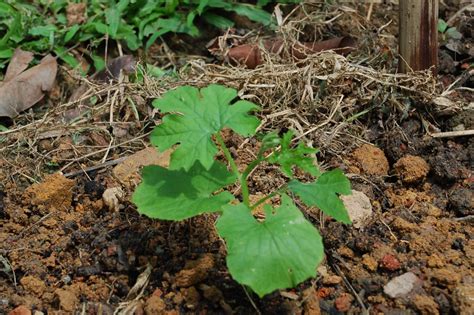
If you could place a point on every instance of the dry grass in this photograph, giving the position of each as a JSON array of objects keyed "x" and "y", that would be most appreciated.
[{"x": 326, "y": 98}]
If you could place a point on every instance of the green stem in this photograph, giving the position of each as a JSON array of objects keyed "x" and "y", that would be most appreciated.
[
  {"x": 227, "y": 154},
  {"x": 276, "y": 192},
  {"x": 241, "y": 177}
]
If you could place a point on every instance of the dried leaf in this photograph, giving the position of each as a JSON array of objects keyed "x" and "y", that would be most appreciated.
[
  {"x": 126, "y": 63},
  {"x": 27, "y": 88},
  {"x": 18, "y": 64},
  {"x": 250, "y": 54}
]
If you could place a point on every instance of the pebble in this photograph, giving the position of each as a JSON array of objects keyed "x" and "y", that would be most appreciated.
[
  {"x": 359, "y": 208},
  {"x": 389, "y": 262},
  {"x": 401, "y": 285}
]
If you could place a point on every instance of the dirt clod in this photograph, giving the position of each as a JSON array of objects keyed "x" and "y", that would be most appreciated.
[
  {"x": 311, "y": 302},
  {"x": 154, "y": 305},
  {"x": 55, "y": 192},
  {"x": 33, "y": 284},
  {"x": 425, "y": 305},
  {"x": 20, "y": 310},
  {"x": 192, "y": 297},
  {"x": 371, "y": 160},
  {"x": 343, "y": 302},
  {"x": 195, "y": 271},
  {"x": 446, "y": 277},
  {"x": 463, "y": 299},
  {"x": 411, "y": 169},
  {"x": 67, "y": 299}
]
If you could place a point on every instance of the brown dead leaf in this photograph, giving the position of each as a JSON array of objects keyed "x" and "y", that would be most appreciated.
[
  {"x": 20, "y": 61},
  {"x": 126, "y": 64},
  {"x": 250, "y": 54},
  {"x": 26, "y": 88}
]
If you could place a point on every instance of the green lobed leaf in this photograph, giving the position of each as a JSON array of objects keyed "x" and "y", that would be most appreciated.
[
  {"x": 196, "y": 116},
  {"x": 442, "y": 25},
  {"x": 179, "y": 194},
  {"x": 287, "y": 157},
  {"x": 278, "y": 253},
  {"x": 323, "y": 193}
]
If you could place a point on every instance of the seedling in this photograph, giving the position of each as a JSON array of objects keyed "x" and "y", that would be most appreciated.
[{"x": 279, "y": 252}]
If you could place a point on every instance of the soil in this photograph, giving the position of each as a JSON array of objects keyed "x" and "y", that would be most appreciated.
[{"x": 68, "y": 247}]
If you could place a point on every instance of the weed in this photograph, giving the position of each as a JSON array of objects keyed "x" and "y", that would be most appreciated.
[{"x": 279, "y": 252}]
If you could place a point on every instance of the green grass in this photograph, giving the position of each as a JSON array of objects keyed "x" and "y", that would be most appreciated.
[{"x": 42, "y": 26}]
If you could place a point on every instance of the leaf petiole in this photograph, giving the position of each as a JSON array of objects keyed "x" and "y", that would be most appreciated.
[{"x": 280, "y": 191}]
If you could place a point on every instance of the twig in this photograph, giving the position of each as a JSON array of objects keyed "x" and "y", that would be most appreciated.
[
  {"x": 458, "y": 13},
  {"x": 369, "y": 11},
  {"x": 450, "y": 134},
  {"x": 349, "y": 286},
  {"x": 466, "y": 218},
  {"x": 251, "y": 301},
  {"x": 103, "y": 150},
  {"x": 96, "y": 167}
]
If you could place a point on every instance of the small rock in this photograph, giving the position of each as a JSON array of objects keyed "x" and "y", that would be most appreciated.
[
  {"x": 463, "y": 299},
  {"x": 371, "y": 160},
  {"x": 112, "y": 198},
  {"x": 20, "y": 310},
  {"x": 154, "y": 305},
  {"x": 332, "y": 280},
  {"x": 425, "y": 305},
  {"x": 369, "y": 262},
  {"x": 411, "y": 169},
  {"x": 389, "y": 262},
  {"x": 325, "y": 292},
  {"x": 127, "y": 172},
  {"x": 67, "y": 299},
  {"x": 359, "y": 208},
  {"x": 192, "y": 297},
  {"x": 343, "y": 302},
  {"x": 195, "y": 271},
  {"x": 33, "y": 285},
  {"x": 401, "y": 286}
]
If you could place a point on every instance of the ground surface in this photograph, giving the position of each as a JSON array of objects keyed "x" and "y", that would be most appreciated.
[{"x": 75, "y": 243}]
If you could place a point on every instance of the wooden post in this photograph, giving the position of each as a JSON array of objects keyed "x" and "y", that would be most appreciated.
[{"x": 418, "y": 35}]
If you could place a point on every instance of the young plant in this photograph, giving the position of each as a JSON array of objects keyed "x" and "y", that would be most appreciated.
[{"x": 279, "y": 252}]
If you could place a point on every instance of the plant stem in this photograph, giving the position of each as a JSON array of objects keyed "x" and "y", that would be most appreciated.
[
  {"x": 227, "y": 154},
  {"x": 276, "y": 192},
  {"x": 242, "y": 177}
]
